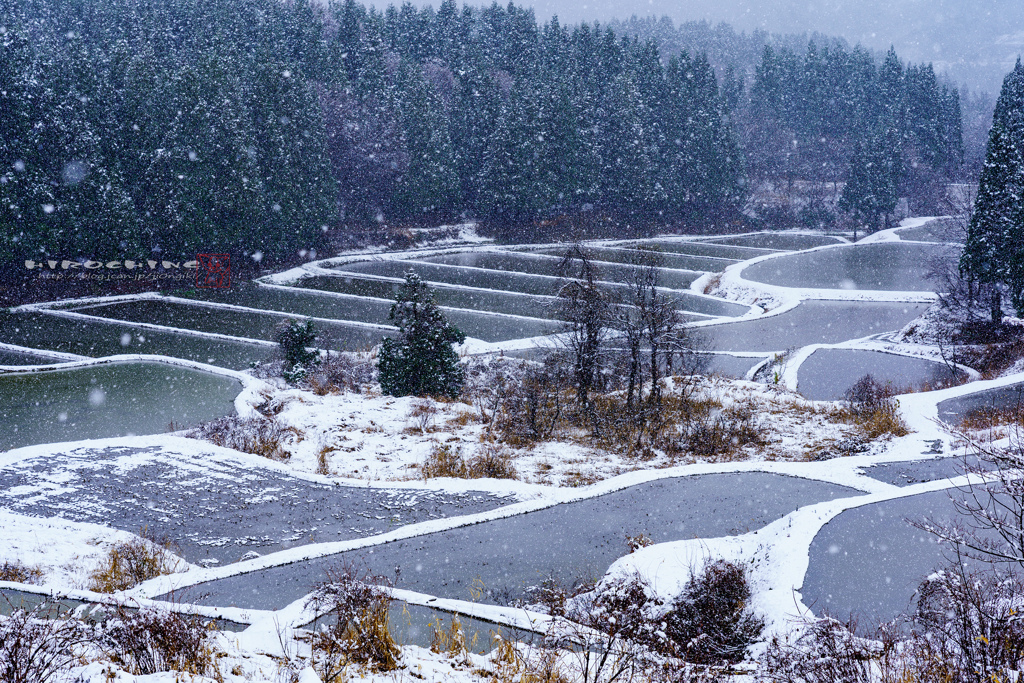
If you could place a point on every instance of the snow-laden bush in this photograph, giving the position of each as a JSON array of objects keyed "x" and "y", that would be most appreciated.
[
  {"x": 711, "y": 621},
  {"x": 38, "y": 644},
  {"x": 150, "y": 640},
  {"x": 824, "y": 651}
]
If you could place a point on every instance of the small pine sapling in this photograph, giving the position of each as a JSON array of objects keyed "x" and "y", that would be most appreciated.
[
  {"x": 421, "y": 361},
  {"x": 295, "y": 338}
]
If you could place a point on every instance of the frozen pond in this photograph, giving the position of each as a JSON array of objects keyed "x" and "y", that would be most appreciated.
[
  {"x": 117, "y": 399},
  {"x": 828, "y": 373},
  {"x": 812, "y": 322},
  {"x": 954, "y": 409},
  {"x": 566, "y": 541},
  {"x": 889, "y": 266},
  {"x": 779, "y": 241},
  {"x": 213, "y": 506},
  {"x": 98, "y": 337},
  {"x": 868, "y": 561}
]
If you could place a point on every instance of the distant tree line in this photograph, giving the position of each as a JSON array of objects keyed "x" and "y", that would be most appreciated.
[
  {"x": 133, "y": 127},
  {"x": 812, "y": 109}
]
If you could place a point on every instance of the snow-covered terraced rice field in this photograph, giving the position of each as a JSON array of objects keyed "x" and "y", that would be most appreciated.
[
  {"x": 542, "y": 264},
  {"x": 829, "y": 535},
  {"x": 706, "y": 249},
  {"x": 95, "y": 337},
  {"x": 663, "y": 258},
  {"x": 778, "y": 241}
]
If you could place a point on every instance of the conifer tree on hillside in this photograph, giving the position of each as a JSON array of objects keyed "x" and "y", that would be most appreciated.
[
  {"x": 871, "y": 190},
  {"x": 994, "y": 252},
  {"x": 421, "y": 361}
]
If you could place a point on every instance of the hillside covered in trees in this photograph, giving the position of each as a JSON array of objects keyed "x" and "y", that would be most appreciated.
[{"x": 134, "y": 127}]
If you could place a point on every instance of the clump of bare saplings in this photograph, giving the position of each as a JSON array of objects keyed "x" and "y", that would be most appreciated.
[{"x": 872, "y": 406}]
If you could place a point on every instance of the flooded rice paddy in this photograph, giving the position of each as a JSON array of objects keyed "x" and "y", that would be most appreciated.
[
  {"x": 117, "y": 399},
  {"x": 826, "y": 375},
  {"x": 889, "y": 266},
  {"x": 501, "y": 559}
]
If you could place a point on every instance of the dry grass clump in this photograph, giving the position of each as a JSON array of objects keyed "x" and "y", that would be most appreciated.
[
  {"x": 323, "y": 459},
  {"x": 510, "y": 666},
  {"x": 450, "y": 641},
  {"x": 263, "y": 436},
  {"x": 552, "y": 596},
  {"x": 990, "y": 417},
  {"x": 421, "y": 417},
  {"x": 338, "y": 372},
  {"x": 491, "y": 461},
  {"x": 444, "y": 461},
  {"x": 151, "y": 640},
  {"x": 638, "y": 541},
  {"x": 678, "y": 423},
  {"x": 129, "y": 563},
  {"x": 874, "y": 409},
  {"x": 20, "y": 573},
  {"x": 358, "y": 633}
]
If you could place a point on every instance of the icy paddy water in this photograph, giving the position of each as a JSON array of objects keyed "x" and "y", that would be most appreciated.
[
  {"x": 568, "y": 542},
  {"x": 118, "y": 399},
  {"x": 825, "y": 375},
  {"x": 883, "y": 266}
]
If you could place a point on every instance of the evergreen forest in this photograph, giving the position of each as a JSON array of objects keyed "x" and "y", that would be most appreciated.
[{"x": 261, "y": 127}]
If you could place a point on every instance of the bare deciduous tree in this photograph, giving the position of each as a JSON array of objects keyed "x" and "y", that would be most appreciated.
[{"x": 585, "y": 307}]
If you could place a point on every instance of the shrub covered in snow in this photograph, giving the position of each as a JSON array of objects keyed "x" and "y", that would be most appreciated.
[
  {"x": 711, "y": 621},
  {"x": 295, "y": 339}
]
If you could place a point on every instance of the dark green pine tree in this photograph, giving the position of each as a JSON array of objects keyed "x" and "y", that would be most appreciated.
[
  {"x": 994, "y": 252},
  {"x": 421, "y": 361},
  {"x": 871, "y": 190}
]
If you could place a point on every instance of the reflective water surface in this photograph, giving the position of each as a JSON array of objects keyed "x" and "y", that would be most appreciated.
[
  {"x": 887, "y": 266},
  {"x": 118, "y": 399}
]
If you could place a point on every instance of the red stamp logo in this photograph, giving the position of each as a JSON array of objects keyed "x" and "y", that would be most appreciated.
[{"x": 214, "y": 271}]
